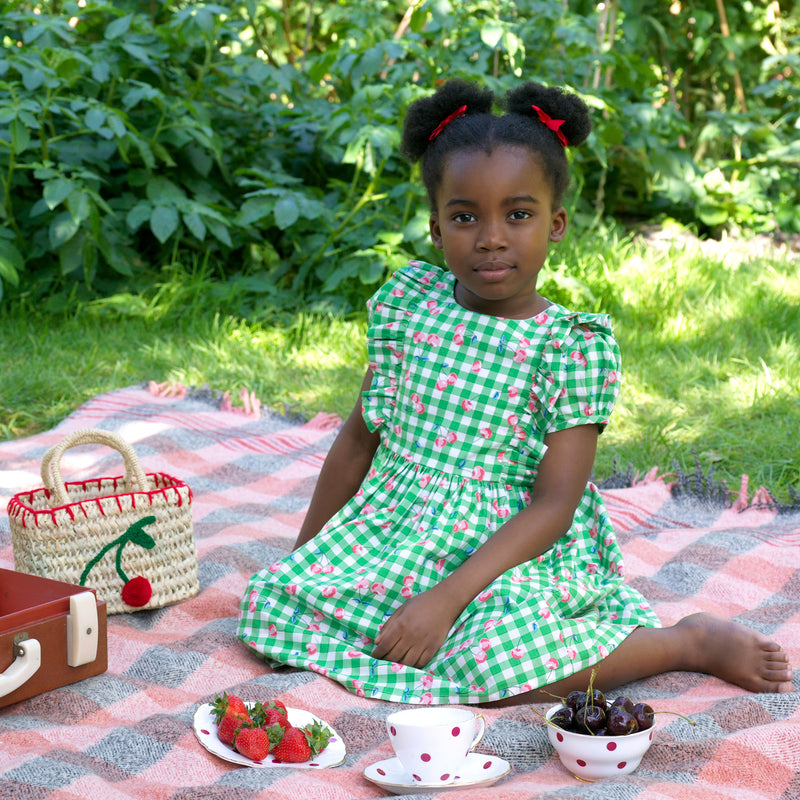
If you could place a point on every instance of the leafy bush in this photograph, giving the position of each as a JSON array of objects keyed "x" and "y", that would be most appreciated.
[
  {"x": 257, "y": 140},
  {"x": 111, "y": 156}
]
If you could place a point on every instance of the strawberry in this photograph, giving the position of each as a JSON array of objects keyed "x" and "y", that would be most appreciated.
[
  {"x": 293, "y": 747},
  {"x": 276, "y": 704},
  {"x": 318, "y": 736},
  {"x": 228, "y": 702},
  {"x": 300, "y": 744},
  {"x": 231, "y": 714},
  {"x": 229, "y": 725},
  {"x": 279, "y": 705},
  {"x": 270, "y": 714},
  {"x": 253, "y": 743}
]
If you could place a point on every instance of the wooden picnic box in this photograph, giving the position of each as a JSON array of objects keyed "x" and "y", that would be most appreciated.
[{"x": 51, "y": 634}]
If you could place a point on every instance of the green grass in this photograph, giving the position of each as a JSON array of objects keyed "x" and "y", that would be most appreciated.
[
  {"x": 52, "y": 365},
  {"x": 711, "y": 348}
]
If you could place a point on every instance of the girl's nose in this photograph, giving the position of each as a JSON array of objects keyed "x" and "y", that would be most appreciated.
[{"x": 492, "y": 236}]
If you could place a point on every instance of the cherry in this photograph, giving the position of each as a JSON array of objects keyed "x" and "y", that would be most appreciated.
[
  {"x": 620, "y": 723},
  {"x": 624, "y": 702},
  {"x": 590, "y": 718},
  {"x": 596, "y": 698},
  {"x": 643, "y": 714},
  {"x": 575, "y": 700},
  {"x": 564, "y": 717}
]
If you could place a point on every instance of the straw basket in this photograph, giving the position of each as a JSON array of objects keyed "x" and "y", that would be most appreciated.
[{"x": 129, "y": 538}]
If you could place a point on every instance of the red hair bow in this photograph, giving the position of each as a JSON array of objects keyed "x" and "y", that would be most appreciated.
[
  {"x": 553, "y": 124},
  {"x": 459, "y": 112}
]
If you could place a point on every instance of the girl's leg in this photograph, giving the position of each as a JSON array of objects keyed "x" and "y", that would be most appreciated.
[{"x": 698, "y": 643}]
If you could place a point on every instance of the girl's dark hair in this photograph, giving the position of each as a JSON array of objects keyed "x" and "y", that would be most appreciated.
[{"x": 480, "y": 129}]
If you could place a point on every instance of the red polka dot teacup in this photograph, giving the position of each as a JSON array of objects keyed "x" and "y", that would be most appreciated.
[{"x": 433, "y": 743}]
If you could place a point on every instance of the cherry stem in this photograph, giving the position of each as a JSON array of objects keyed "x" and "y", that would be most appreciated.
[
  {"x": 554, "y": 696},
  {"x": 558, "y": 727},
  {"x": 547, "y": 721},
  {"x": 675, "y": 713}
]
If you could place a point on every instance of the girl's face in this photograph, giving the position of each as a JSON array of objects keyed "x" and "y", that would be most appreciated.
[{"x": 494, "y": 221}]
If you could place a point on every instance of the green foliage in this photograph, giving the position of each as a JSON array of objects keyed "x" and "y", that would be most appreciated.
[
  {"x": 259, "y": 138},
  {"x": 107, "y": 148}
]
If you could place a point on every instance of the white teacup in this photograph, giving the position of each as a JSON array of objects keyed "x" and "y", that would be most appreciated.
[{"x": 432, "y": 744}]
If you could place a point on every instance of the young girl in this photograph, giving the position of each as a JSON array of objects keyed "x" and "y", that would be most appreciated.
[{"x": 454, "y": 550}]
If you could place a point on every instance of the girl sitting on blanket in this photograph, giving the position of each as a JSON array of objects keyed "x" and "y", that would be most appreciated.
[{"x": 454, "y": 550}]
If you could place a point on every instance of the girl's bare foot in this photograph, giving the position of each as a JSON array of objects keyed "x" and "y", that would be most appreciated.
[
  {"x": 697, "y": 643},
  {"x": 734, "y": 653}
]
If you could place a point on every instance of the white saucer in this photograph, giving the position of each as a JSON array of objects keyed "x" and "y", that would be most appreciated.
[
  {"x": 205, "y": 728},
  {"x": 480, "y": 770}
]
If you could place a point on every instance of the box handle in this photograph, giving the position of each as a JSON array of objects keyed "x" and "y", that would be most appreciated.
[{"x": 28, "y": 660}]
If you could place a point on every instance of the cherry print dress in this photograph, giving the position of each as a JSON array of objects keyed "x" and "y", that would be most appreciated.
[{"x": 463, "y": 402}]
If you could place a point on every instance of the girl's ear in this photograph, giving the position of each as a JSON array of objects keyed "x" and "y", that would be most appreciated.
[
  {"x": 436, "y": 232},
  {"x": 558, "y": 225}
]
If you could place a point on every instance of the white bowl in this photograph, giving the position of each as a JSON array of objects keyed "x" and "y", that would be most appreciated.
[{"x": 591, "y": 758}]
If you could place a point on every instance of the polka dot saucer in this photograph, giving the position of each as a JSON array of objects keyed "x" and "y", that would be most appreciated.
[{"x": 479, "y": 770}]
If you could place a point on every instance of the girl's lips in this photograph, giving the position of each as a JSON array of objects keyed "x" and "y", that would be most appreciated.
[{"x": 493, "y": 270}]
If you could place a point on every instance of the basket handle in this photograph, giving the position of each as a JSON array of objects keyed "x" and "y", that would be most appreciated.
[{"x": 51, "y": 461}]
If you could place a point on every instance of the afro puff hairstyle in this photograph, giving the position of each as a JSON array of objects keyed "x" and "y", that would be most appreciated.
[{"x": 476, "y": 127}]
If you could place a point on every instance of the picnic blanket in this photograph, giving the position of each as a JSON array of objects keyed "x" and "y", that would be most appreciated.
[{"x": 128, "y": 732}]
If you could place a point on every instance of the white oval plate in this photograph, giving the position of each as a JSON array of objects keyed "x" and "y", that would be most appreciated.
[
  {"x": 480, "y": 770},
  {"x": 205, "y": 728}
]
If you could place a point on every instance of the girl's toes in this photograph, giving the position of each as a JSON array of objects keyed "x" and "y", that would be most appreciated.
[{"x": 777, "y": 675}]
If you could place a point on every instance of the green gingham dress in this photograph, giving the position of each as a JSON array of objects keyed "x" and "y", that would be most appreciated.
[{"x": 463, "y": 402}]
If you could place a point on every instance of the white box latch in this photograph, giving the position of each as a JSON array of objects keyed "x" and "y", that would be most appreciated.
[{"x": 82, "y": 633}]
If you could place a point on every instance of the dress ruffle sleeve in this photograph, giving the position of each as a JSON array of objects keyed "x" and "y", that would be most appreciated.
[
  {"x": 389, "y": 310},
  {"x": 579, "y": 376}
]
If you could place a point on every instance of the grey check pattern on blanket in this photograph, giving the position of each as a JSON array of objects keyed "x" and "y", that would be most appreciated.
[{"x": 128, "y": 732}]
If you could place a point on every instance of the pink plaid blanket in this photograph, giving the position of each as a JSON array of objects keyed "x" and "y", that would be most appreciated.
[{"x": 128, "y": 732}]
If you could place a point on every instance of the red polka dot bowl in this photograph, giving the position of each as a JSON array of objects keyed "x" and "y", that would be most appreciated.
[{"x": 592, "y": 758}]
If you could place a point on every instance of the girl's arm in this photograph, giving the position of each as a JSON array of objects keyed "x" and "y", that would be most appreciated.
[
  {"x": 415, "y": 632},
  {"x": 345, "y": 467}
]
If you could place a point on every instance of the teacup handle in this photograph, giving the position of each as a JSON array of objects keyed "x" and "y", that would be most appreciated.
[{"x": 481, "y": 731}]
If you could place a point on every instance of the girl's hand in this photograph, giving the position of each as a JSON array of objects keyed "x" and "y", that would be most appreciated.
[{"x": 415, "y": 632}]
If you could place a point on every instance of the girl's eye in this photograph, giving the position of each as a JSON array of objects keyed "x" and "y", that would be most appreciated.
[
  {"x": 464, "y": 218},
  {"x": 517, "y": 215}
]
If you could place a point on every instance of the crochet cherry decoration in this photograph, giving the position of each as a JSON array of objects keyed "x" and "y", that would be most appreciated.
[{"x": 136, "y": 592}]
